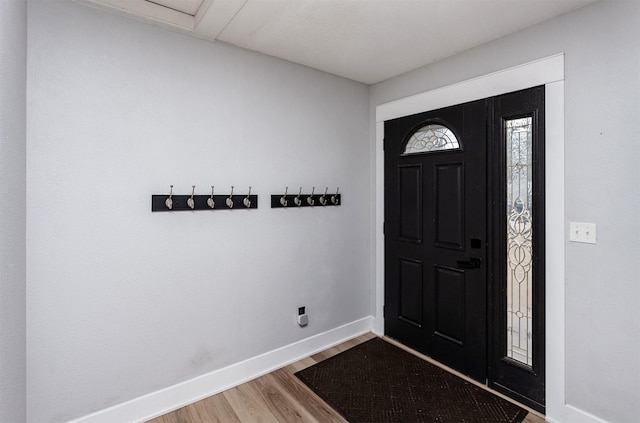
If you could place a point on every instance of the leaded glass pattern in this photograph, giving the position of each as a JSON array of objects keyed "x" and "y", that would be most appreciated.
[
  {"x": 519, "y": 239},
  {"x": 429, "y": 138}
]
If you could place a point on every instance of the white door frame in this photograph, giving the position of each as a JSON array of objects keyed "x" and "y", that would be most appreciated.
[{"x": 549, "y": 72}]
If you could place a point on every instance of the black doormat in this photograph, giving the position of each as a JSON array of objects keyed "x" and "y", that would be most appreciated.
[{"x": 379, "y": 382}]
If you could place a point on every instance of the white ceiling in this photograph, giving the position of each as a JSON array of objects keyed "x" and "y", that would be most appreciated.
[{"x": 364, "y": 40}]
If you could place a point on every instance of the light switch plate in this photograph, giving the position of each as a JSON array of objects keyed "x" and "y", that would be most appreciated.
[{"x": 582, "y": 232}]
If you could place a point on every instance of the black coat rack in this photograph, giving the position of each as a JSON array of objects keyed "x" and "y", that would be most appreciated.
[
  {"x": 171, "y": 202},
  {"x": 287, "y": 200}
]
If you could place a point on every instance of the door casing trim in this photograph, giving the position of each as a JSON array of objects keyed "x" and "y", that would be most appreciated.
[{"x": 549, "y": 72}]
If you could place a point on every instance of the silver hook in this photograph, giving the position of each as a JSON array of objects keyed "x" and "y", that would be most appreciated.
[
  {"x": 334, "y": 198},
  {"x": 190, "y": 202},
  {"x": 297, "y": 199},
  {"x": 246, "y": 200},
  {"x": 169, "y": 201},
  {"x": 229, "y": 199},
  {"x": 323, "y": 199},
  {"x": 210, "y": 202},
  {"x": 310, "y": 200},
  {"x": 283, "y": 199}
]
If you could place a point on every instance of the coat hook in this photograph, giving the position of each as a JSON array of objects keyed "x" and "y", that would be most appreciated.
[
  {"x": 334, "y": 198},
  {"x": 310, "y": 200},
  {"x": 210, "y": 202},
  {"x": 283, "y": 199},
  {"x": 190, "y": 201},
  {"x": 229, "y": 199},
  {"x": 169, "y": 201},
  {"x": 297, "y": 199},
  {"x": 323, "y": 199},
  {"x": 246, "y": 200}
]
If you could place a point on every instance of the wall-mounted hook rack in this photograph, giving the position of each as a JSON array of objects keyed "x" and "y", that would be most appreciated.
[
  {"x": 172, "y": 202},
  {"x": 280, "y": 201}
]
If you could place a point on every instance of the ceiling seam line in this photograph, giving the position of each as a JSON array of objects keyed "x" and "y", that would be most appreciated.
[
  {"x": 170, "y": 8},
  {"x": 230, "y": 20}
]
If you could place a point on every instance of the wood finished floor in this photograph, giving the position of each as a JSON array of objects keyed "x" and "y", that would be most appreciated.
[{"x": 277, "y": 397}]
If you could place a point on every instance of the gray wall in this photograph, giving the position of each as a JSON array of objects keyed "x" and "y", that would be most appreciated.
[
  {"x": 13, "y": 50},
  {"x": 123, "y": 302},
  {"x": 602, "y": 152}
]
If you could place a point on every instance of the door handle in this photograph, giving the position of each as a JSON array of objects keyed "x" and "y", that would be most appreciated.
[{"x": 472, "y": 263}]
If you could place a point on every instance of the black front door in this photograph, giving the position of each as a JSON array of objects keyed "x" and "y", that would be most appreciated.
[
  {"x": 436, "y": 233},
  {"x": 464, "y": 239}
]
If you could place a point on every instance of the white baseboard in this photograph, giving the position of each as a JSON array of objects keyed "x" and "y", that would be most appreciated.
[
  {"x": 571, "y": 414},
  {"x": 166, "y": 400}
]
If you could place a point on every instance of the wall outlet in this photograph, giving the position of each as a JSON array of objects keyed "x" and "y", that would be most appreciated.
[{"x": 582, "y": 232}]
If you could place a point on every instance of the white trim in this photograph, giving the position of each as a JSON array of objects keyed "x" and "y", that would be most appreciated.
[
  {"x": 550, "y": 72},
  {"x": 378, "y": 326},
  {"x": 554, "y": 249},
  {"x": 530, "y": 74},
  {"x": 575, "y": 415},
  {"x": 166, "y": 400}
]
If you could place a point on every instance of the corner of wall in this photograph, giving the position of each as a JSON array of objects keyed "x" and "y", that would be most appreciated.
[{"x": 13, "y": 48}]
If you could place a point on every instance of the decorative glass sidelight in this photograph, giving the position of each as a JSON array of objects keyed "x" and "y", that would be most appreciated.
[
  {"x": 429, "y": 138},
  {"x": 519, "y": 239}
]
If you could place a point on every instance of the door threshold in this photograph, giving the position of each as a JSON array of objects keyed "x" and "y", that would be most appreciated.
[{"x": 466, "y": 378}]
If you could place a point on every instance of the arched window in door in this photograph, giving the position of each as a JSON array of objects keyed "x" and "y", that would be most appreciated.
[{"x": 430, "y": 138}]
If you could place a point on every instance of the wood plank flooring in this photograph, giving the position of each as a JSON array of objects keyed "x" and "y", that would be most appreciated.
[{"x": 277, "y": 397}]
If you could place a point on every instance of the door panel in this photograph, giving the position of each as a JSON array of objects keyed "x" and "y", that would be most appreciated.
[
  {"x": 410, "y": 182},
  {"x": 435, "y": 203},
  {"x": 450, "y": 288},
  {"x": 449, "y": 221},
  {"x": 411, "y": 302}
]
